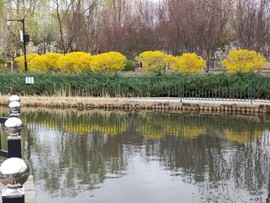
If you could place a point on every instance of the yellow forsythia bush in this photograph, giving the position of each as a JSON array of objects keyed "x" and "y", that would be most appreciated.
[
  {"x": 244, "y": 60},
  {"x": 189, "y": 63},
  {"x": 152, "y": 60},
  {"x": 169, "y": 60},
  {"x": 75, "y": 62},
  {"x": 29, "y": 57},
  {"x": 108, "y": 62},
  {"x": 46, "y": 62}
]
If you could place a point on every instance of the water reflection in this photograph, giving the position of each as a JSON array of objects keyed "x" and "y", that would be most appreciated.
[{"x": 103, "y": 156}]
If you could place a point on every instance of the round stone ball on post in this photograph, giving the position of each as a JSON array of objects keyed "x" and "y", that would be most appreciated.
[
  {"x": 14, "y": 106},
  {"x": 14, "y": 98},
  {"x": 13, "y": 127},
  {"x": 14, "y": 172}
]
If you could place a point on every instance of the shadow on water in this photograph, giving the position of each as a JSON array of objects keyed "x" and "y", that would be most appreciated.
[{"x": 113, "y": 156}]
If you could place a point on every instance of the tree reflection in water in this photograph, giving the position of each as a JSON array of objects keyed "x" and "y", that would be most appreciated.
[{"x": 226, "y": 159}]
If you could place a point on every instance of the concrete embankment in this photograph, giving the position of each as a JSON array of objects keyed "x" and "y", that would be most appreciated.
[{"x": 165, "y": 104}]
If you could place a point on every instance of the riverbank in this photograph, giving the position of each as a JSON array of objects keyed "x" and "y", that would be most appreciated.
[{"x": 165, "y": 104}]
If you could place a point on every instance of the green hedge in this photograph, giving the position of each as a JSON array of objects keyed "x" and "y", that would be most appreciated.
[{"x": 215, "y": 86}]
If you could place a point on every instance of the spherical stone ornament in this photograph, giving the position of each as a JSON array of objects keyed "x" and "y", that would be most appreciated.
[
  {"x": 14, "y": 172},
  {"x": 14, "y": 106},
  {"x": 14, "y": 98},
  {"x": 13, "y": 126}
]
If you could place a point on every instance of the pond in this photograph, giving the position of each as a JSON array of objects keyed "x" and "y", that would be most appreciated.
[{"x": 119, "y": 157}]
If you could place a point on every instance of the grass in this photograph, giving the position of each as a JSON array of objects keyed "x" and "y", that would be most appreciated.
[{"x": 77, "y": 102}]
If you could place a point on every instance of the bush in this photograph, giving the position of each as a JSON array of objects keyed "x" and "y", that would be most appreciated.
[
  {"x": 244, "y": 61},
  {"x": 2, "y": 65},
  {"x": 236, "y": 86},
  {"x": 75, "y": 62},
  {"x": 153, "y": 61},
  {"x": 29, "y": 57},
  {"x": 189, "y": 63},
  {"x": 2, "y": 61},
  {"x": 129, "y": 66},
  {"x": 45, "y": 63},
  {"x": 108, "y": 62},
  {"x": 170, "y": 59}
]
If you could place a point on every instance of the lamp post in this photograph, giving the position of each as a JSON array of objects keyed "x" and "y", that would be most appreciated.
[{"x": 24, "y": 39}]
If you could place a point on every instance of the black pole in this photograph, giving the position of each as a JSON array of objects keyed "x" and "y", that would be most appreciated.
[
  {"x": 24, "y": 46},
  {"x": 44, "y": 46},
  {"x": 14, "y": 147},
  {"x": 24, "y": 41}
]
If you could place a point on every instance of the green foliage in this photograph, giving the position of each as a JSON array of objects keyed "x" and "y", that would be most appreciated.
[
  {"x": 218, "y": 86},
  {"x": 129, "y": 66},
  {"x": 2, "y": 65},
  {"x": 2, "y": 61},
  {"x": 2, "y": 69}
]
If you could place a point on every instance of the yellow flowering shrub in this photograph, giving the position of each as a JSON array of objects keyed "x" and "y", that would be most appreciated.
[
  {"x": 169, "y": 60},
  {"x": 74, "y": 62},
  {"x": 29, "y": 57},
  {"x": 45, "y": 63},
  {"x": 109, "y": 62},
  {"x": 152, "y": 60},
  {"x": 244, "y": 60},
  {"x": 189, "y": 63}
]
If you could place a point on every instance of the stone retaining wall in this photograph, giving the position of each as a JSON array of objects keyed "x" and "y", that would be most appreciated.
[{"x": 129, "y": 104}]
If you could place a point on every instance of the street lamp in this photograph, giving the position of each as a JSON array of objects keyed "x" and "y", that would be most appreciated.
[{"x": 24, "y": 39}]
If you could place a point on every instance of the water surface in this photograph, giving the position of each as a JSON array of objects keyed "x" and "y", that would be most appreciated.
[{"x": 120, "y": 157}]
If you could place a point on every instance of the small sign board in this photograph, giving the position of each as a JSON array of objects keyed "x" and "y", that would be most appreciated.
[
  {"x": 21, "y": 36},
  {"x": 29, "y": 80}
]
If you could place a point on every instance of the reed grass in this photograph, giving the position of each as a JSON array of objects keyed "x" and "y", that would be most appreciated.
[{"x": 59, "y": 101}]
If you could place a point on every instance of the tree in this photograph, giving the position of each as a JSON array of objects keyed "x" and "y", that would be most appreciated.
[
  {"x": 81, "y": 26},
  {"x": 198, "y": 26},
  {"x": 62, "y": 10},
  {"x": 134, "y": 26},
  {"x": 127, "y": 26},
  {"x": 20, "y": 9},
  {"x": 251, "y": 25}
]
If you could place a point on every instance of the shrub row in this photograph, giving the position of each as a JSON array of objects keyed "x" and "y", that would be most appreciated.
[
  {"x": 73, "y": 62},
  {"x": 153, "y": 61},
  {"x": 223, "y": 86}
]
